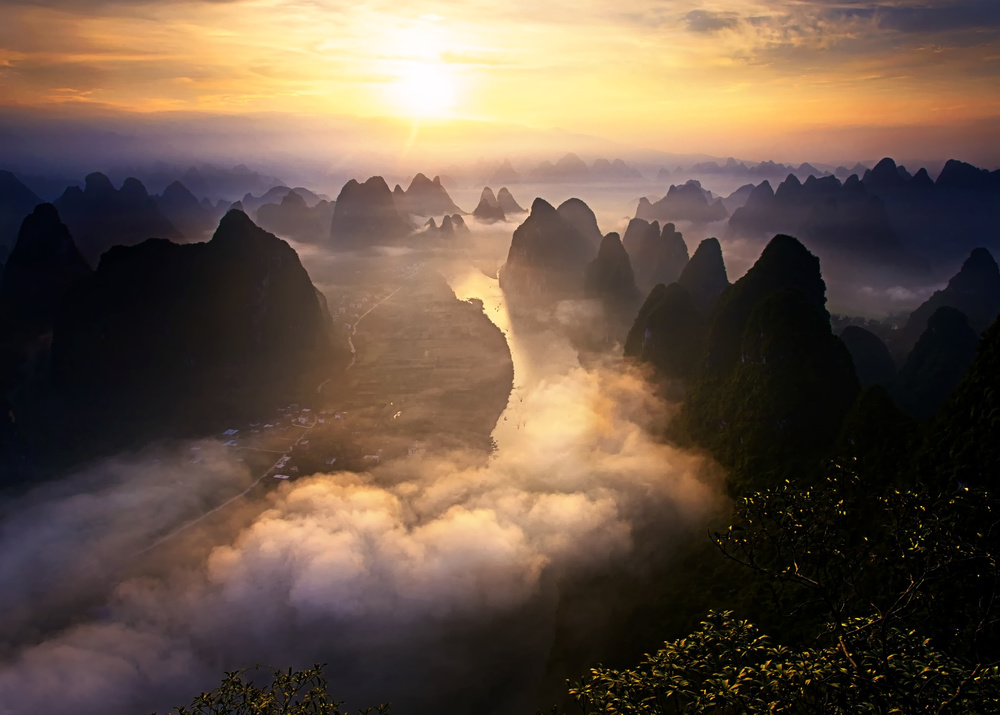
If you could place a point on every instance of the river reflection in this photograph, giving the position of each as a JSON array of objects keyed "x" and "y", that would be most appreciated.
[{"x": 538, "y": 355}]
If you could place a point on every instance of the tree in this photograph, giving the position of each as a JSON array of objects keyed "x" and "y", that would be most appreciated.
[
  {"x": 302, "y": 692},
  {"x": 889, "y": 596}
]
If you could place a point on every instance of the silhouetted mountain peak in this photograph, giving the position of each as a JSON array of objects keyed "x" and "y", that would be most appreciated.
[
  {"x": 507, "y": 202},
  {"x": 133, "y": 190},
  {"x": 959, "y": 175},
  {"x": 704, "y": 276},
  {"x": 683, "y": 202},
  {"x": 547, "y": 256},
  {"x": 98, "y": 185},
  {"x": 16, "y": 202},
  {"x": 792, "y": 180},
  {"x": 44, "y": 264},
  {"x": 234, "y": 226},
  {"x": 13, "y": 190},
  {"x": 974, "y": 290},
  {"x": 571, "y": 163},
  {"x": 488, "y": 208},
  {"x": 922, "y": 179},
  {"x": 785, "y": 259},
  {"x": 176, "y": 191},
  {"x": 609, "y": 276},
  {"x": 582, "y": 218},
  {"x": 190, "y": 329},
  {"x": 884, "y": 174},
  {"x": 939, "y": 359},
  {"x": 488, "y": 197},
  {"x": 761, "y": 192},
  {"x": 294, "y": 200},
  {"x": 979, "y": 274},
  {"x": 421, "y": 182},
  {"x": 424, "y": 197},
  {"x": 367, "y": 213},
  {"x": 44, "y": 237},
  {"x": 873, "y": 363}
]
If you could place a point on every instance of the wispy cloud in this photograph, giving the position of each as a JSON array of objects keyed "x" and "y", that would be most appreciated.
[{"x": 589, "y": 66}]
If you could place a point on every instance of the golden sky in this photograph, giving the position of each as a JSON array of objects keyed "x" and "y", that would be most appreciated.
[{"x": 675, "y": 75}]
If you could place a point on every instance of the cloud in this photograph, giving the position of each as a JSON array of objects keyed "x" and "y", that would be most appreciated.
[
  {"x": 432, "y": 579},
  {"x": 86, "y": 530},
  {"x": 706, "y": 21},
  {"x": 978, "y": 16}
]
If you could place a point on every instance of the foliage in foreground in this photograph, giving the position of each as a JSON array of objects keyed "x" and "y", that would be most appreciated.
[
  {"x": 290, "y": 692},
  {"x": 728, "y": 666},
  {"x": 892, "y": 594}
]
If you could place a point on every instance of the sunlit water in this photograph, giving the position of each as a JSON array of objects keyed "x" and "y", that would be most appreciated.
[{"x": 537, "y": 356}]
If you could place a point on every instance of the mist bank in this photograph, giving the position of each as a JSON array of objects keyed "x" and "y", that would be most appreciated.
[{"x": 432, "y": 581}]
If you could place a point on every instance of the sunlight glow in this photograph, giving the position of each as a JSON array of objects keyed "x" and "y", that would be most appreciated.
[{"x": 424, "y": 89}]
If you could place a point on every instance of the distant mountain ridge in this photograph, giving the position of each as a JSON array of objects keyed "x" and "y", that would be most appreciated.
[
  {"x": 366, "y": 214},
  {"x": 684, "y": 202},
  {"x": 16, "y": 202},
  {"x": 425, "y": 197},
  {"x": 547, "y": 257},
  {"x": 100, "y": 216}
]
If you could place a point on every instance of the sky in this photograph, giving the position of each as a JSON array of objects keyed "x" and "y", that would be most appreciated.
[{"x": 789, "y": 79}]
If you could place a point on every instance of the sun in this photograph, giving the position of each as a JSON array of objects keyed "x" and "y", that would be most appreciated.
[{"x": 424, "y": 89}]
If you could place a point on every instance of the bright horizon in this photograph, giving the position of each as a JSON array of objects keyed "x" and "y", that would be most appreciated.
[{"x": 827, "y": 80}]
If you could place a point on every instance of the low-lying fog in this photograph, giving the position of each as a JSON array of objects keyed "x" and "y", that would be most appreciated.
[{"x": 436, "y": 581}]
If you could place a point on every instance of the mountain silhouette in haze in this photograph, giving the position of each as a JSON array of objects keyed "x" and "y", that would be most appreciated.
[
  {"x": 16, "y": 202},
  {"x": 488, "y": 210},
  {"x": 609, "y": 276},
  {"x": 190, "y": 216},
  {"x": 569, "y": 169},
  {"x": 704, "y": 277},
  {"x": 366, "y": 214},
  {"x": 227, "y": 184},
  {"x": 873, "y": 362},
  {"x": 668, "y": 332},
  {"x": 274, "y": 194},
  {"x": 426, "y": 197},
  {"x": 100, "y": 216},
  {"x": 844, "y": 218},
  {"x": 974, "y": 290},
  {"x": 582, "y": 218},
  {"x": 784, "y": 263},
  {"x": 766, "y": 170},
  {"x": 507, "y": 202},
  {"x": 738, "y": 198},
  {"x": 966, "y": 426},
  {"x": 451, "y": 227},
  {"x": 773, "y": 383},
  {"x": 294, "y": 218},
  {"x": 162, "y": 340},
  {"x": 192, "y": 332},
  {"x": 657, "y": 255},
  {"x": 686, "y": 202},
  {"x": 888, "y": 216},
  {"x": 636, "y": 232},
  {"x": 44, "y": 265},
  {"x": 668, "y": 257},
  {"x": 937, "y": 362},
  {"x": 547, "y": 257},
  {"x": 616, "y": 170},
  {"x": 505, "y": 174}
]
